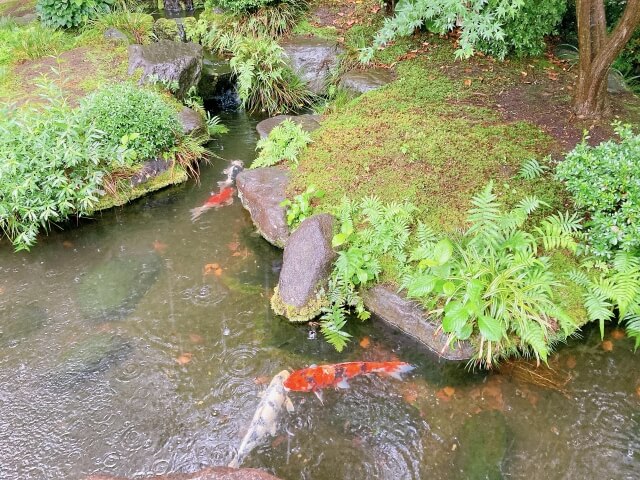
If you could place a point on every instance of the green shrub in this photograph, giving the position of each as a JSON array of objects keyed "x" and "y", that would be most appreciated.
[
  {"x": 284, "y": 143},
  {"x": 265, "y": 81},
  {"x": 604, "y": 181},
  {"x": 31, "y": 42},
  {"x": 70, "y": 13},
  {"x": 122, "y": 109},
  {"x": 239, "y": 6}
]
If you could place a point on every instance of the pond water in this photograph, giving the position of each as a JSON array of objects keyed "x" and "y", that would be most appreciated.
[{"x": 127, "y": 351}]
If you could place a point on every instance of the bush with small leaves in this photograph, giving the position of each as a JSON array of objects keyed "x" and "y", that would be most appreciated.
[{"x": 71, "y": 13}]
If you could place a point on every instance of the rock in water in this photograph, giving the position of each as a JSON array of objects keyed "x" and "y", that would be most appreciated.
[
  {"x": 308, "y": 258},
  {"x": 261, "y": 191},
  {"x": 308, "y": 122},
  {"x": 168, "y": 61},
  {"x": 312, "y": 59},
  {"x": 483, "y": 445},
  {"x": 113, "y": 288}
]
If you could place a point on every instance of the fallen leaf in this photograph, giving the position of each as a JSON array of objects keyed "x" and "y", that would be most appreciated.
[
  {"x": 184, "y": 358},
  {"x": 195, "y": 338},
  {"x": 638, "y": 390},
  {"x": 467, "y": 82},
  {"x": 279, "y": 439},
  {"x": 365, "y": 342},
  {"x": 218, "y": 272},
  {"x": 375, "y": 9},
  {"x": 210, "y": 268},
  {"x": 440, "y": 395},
  {"x": 571, "y": 362},
  {"x": 67, "y": 244},
  {"x": 607, "y": 345},
  {"x": 523, "y": 73},
  {"x": 618, "y": 334},
  {"x": 159, "y": 246},
  {"x": 233, "y": 246},
  {"x": 449, "y": 391}
]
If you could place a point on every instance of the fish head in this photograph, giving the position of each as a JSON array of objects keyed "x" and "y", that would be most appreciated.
[{"x": 300, "y": 381}]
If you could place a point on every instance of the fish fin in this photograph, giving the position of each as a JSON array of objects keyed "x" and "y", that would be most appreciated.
[
  {"x": 343, "y": 384},
  {"x": 289, "y": 404},
  {"x": 319, "y": 395},
  {"x": 400, "y": 369}
]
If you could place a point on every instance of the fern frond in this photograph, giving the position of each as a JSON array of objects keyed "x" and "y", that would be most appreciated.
[
  {"x": 484, "y": 217},
  {"x": 531, "y": 169},
  {"x": 632, "y": 326}
]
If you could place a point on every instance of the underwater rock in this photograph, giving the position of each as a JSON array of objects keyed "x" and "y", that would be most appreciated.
[
  {"x": 312, "y": 59},
  {"x": 112, "y": 289},
  {"x": 307, "y": 260},
  {"x": 308, "y": 122},
  {"x": 261, "y": 191},
  {"x": 115, "y": 35},
  {"x": 483, "y": 445},
  {"x": 192, "y": 122},
  {"x": 393, "y": 308},
  {"x": 18, "y": 322},
  {"x": 362, "y": 81},
  {"x": 211, "y": 473},
  {"x": 168, "y": 61}
]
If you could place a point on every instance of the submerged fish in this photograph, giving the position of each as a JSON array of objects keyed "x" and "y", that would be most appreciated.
[
  {"x": 231, "y": 172},
  {"x": 265, "y": 420},
  {"x": 315, "y": 378},
  {"x": 216, "y": 200}
]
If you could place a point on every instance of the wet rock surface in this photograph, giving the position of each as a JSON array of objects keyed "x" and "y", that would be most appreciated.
[
  {"x": 169, "y": 29},
  {"x": 211, "y": 473},
  {"x": 307, "y": 261},
  {"x": 150, "y": 169},
  {"x": 312, "y": 59},
  {"x": 216, "y": 78},
  {"x": 261, "y": 191},
  {"x": 393, "y": 308},
  {"x": 308, "y": 122},
  {"x": 362, "y": 81},
  {"x": 192, "y": 122},
  {"x": 115, "y": 35},
  {"x": 168, "y": 61}
]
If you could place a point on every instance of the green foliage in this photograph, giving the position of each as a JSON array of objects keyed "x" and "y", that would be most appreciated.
[
  {"x": 31, "y": 42},
  {"x": 369, "y": 231},
  {"x": 265, "y": 81},
  {"x": 284, "y": 143},
  {"x": 612, "y": 290},
  {"x": 301, "y": 206},
  {"x": 532, "y": 169},
  {"x": 121, "y": 109},
  {"x": 603, "y": 181},
  {"x": 70, "y": 13},
  {"x": 492, "y": 281},
  {"x": 239, "y": 6},
  {"x": 135, "y": 25}
]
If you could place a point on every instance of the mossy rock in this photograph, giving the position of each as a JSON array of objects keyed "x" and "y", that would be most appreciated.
[
  {"x": 18, "y": 322},
  {"x": 113, "y": 289},
  {"x": 298, "y": 314},
  {"x": 167, "y": 29}
]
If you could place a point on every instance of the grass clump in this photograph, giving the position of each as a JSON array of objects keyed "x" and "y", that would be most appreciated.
[
  {"x": 283, "y": 144},
  {"x": 136, "y": 26}
]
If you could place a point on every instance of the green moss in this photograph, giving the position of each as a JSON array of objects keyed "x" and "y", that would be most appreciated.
[
  {"x": 166, "y": 29},
  {"x": 298, "y": 314},
  {"x": 306, "y": 28}
]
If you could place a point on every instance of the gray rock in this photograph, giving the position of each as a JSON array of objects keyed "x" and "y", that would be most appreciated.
[
  {"x": 210, "y": 473},
  {"x": 393, "y": 308},
  {"x": 307, "y": 261},
  {"x": 192, "y": 122},
  {"x": 169, "y": 29},
  {"x": 312, "y": 59},
  {"x": 149, "y": 170},
  {"x": 216, "y": 78},
  {"x": 168, "y": 61},
  {"x": 483, "y": 444},
  {"x": 362, "y": 81},
  {"x": 261, "y": 191},
  {"x": 616, "y": 83},
  {"x": 25, "y": 19},
  {"x": 115, "y": 35},
  {"x": 308, "y": 123}
]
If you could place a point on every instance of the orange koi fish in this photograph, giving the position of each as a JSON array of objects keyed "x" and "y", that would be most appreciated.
[
  {"x": 216, "y": 200},
  {"x": 315, "y": 378}
]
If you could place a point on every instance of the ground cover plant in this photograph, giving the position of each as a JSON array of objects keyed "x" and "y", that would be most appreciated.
[{"x": 283, "y": 144}]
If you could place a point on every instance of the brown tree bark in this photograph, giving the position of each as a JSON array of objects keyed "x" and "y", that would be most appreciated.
[{"x": 598, "y": 50}]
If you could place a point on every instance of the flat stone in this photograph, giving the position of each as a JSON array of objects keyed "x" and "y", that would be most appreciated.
[
  {"x": 192, "y": 122},
  {"x": 211, "y": 473},
  {"x": 393, "y": 308},
  {"x": 312, "y": 59},
  {"x": 307, "y": 263},
  {"x": 362, "y": 81},
  {"x": 261, "y": 191},
  {"x": 168, "y": 61},
  {"x": 308, "y": 122},
  {"x": 115, "y": 35}
]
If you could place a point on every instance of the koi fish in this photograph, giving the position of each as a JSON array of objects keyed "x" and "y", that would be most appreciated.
[
  {"x": 231, "y": 172},
  {"x": 315, "y": 378},
  {"x": 222, "y": 198},
  {"x": 265, "y": 420}
]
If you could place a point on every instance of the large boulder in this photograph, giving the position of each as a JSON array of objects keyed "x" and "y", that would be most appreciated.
[
  {"x": 169, "y": 29},
  {"x": 261, "y": 191},
  {"x": 168, "y": 61},
  {"x": 312, "y": 59},
  {"x": 307, "y": 261},
  {"x": 362, "y": 81},
  {"x": 211, "y": 473},
  {"x": 308, "y": 122},
  {"x": 192, "y": 122},
  {"x": 393, "y": 308}
]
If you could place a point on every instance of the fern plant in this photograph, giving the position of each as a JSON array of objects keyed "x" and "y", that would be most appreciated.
[
  {"x": 531, "y": 169},
  {"x": 283, "y": 144},
  {"x": 493, "y": 281}
]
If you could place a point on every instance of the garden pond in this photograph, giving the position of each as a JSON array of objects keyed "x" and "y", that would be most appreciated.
[{"x": 137, "y": 343}]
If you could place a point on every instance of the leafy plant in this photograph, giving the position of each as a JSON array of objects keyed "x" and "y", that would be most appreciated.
[
  {"x": 214, "y": 125},
  {"x": 603, "y": 181},
  {"x": 283, "y": 144},
  {"x": 265, "y": 81},
  {"x": 301, "y": 207},
  {"x": 70, "y": 13},
  {"x": 239, "y": 6},
  {"x": 531, "y": 169},
  {"x": 492, "y": 281},
  {"x": 124, "y": 108},
  {"x": 136, "y": 25}
]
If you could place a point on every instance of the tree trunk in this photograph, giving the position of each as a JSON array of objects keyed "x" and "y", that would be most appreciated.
[{"x": 598, "y": 50}]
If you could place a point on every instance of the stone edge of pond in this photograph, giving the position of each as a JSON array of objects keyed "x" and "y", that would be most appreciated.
[{"x": 261, "y": 191}]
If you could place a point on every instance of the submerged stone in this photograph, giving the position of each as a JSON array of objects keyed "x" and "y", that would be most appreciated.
[
  {"x": 362, "y": 81},
  {"x": 18, "y": 322},
  {"x": 483, "y": 445},
  {"x": 168, "y": 61},
  {"x": 112, "y": 289},
  {"x": 312, "y": 59},
  {"x": 261, "y": 191},
  {"x": 308, "y": 122},
  {"x": 307, "y": 261}
]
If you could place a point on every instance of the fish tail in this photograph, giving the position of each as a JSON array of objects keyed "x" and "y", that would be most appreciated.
[
  {"x": 393, "y": 369},
  {"x": 196, "y": 212}
]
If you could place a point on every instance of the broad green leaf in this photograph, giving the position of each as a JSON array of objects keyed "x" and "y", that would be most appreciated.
[
  {"x": 490, "y": 328},
  {"x": 442, "y": 251}
]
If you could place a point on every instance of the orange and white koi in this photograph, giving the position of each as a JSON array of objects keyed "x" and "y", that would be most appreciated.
[
  {"x": 315, "y": 378},
  {"x": 216, "y": 200}
]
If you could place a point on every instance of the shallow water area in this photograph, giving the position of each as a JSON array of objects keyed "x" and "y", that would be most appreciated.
[{"x": 137, "y": 343}]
